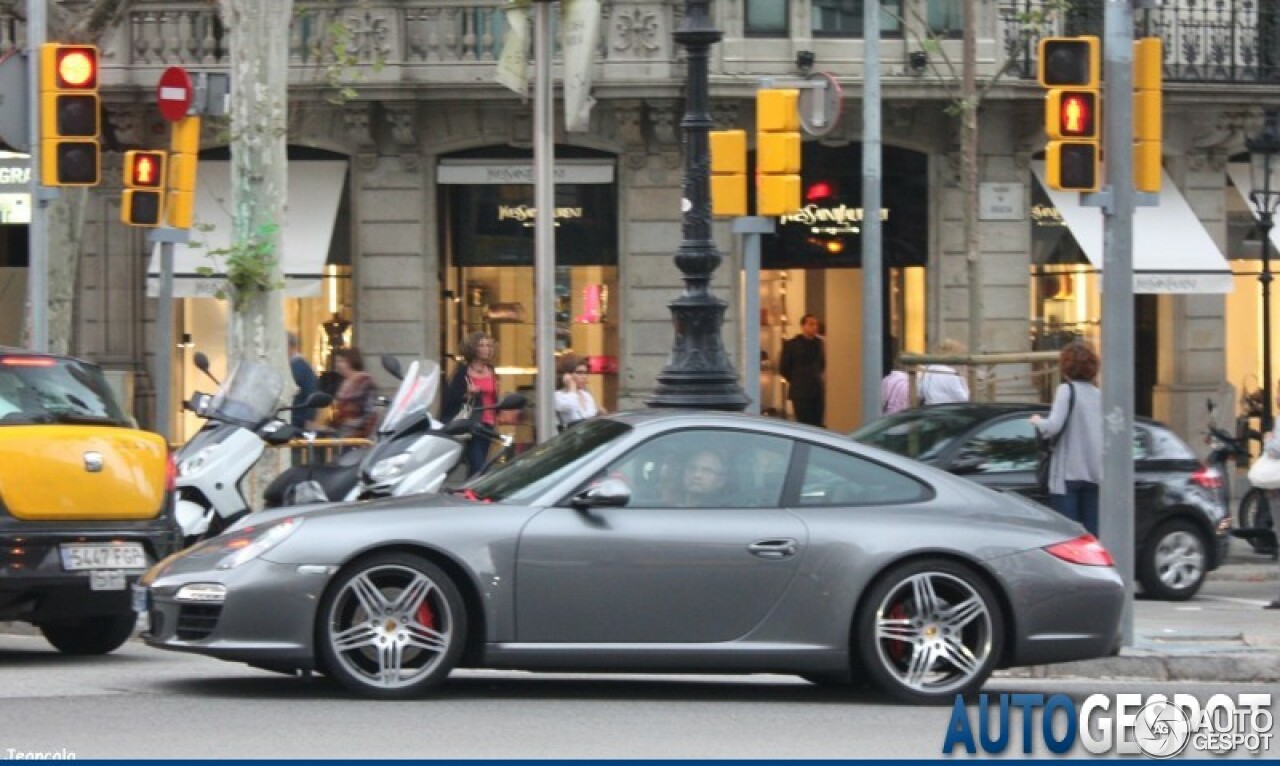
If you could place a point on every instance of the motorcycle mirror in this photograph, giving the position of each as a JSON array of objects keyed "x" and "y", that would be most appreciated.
[
  {"x": 512, "y": 402},
  {"x": 202, "y": 364},
  {"x": 457, "y": 427},
  {"x": 392, "y": 366}
]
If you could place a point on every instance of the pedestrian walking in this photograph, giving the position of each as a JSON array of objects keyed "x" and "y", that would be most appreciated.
[
  {"x": 804, "y": 365},
  {"x": 473, "y": 385},
  {"x": 895, "y": 388},
  {"x": 1075, "y": 469},
  {"x": 941, "y": 383}
]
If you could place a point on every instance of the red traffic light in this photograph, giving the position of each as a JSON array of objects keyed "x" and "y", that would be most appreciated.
[
  {"x": 146, "y": 170},
  {"x": 819, "y": 190},
  {"x": 77, "y": 67}
]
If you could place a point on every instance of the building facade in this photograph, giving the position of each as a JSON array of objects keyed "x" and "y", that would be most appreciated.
[{"x": 411, "y": 204}]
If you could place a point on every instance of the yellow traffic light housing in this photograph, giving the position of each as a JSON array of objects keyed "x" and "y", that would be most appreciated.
[
  {"x": 69, "y": 115},
  {"x": 728, "y": 172},
  {"x": 1148, "y": 120},
  {"x": 144, "y": 180},
  {"x": 183, "y": 162},
  {"x": 778, "y": 147},
  {"x": 1071, "y": 68}
]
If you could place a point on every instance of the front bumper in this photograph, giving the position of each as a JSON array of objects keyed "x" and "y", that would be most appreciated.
[
  {"x": 34, "y": 585},
  {"x": 267, "y": 617}
]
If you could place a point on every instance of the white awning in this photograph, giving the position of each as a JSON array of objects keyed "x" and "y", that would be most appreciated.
[
  {"x": 1172, "y": 252},
  {"x": 315, "y": 189},
  {"x": 1242, "y": 178}
]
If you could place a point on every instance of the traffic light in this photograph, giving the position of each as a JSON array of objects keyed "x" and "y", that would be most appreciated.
[
  {"x": 184, "y": 151},
  {"x": 69, "y": 119},
  {"x": 728, "y": 172},
  {"x": 144, "y": 179},
  {"x": 1069, "y": 67},
  {"x": 777, "y": 151},
  {"x": 1148, "y": 124}
]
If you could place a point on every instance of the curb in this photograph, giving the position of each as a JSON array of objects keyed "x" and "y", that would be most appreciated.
[{"x": 1237, "y": 666}]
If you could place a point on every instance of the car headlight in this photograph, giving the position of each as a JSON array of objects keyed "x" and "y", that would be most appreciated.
[
  {"x": 192, "y": 464},
  {"x": 251, "y": 542},
  {"x": 389, "y": 468}
]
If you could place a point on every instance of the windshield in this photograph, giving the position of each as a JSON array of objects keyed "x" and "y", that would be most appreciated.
[
  {"x": 45, "y": 389},
  {"x": 416, "y": 393},
  {"x": 530, "y": 474},
  {"x": 249, "y": 395},
  {"x": 921, "y": 434}
]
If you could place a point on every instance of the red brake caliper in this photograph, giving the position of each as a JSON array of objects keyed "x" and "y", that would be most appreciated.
[
  {"x": 898, "y": 649},
  {"x": 426, "y": 617}
]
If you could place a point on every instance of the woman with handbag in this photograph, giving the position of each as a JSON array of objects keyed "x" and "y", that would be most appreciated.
[
  {"x": 1265, "y": 474},
  {"x": 473, "y": 385},
  {"x": 1075, "y": 426}
]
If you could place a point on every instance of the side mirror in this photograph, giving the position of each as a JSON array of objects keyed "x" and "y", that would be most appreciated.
[
  {"x": 201, "y": 362},
  {"x": 317, "y": 399},
  {"x": 199, "y": 403},
  {"x": 392, "y": 366},
  {"x": 610, "y": 493},
  {"x": 512, "y": 402}
]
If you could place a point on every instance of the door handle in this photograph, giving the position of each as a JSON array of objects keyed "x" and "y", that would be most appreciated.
[{"x": 779, "y": 548}]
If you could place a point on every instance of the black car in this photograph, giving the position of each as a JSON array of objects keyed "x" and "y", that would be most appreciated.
[{"x": 1180, "y": 524}]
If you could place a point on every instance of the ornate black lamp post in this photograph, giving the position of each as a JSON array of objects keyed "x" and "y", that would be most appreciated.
[
  {"x": 1264, "y": 161},
  {"x": 698, "y": 374}
]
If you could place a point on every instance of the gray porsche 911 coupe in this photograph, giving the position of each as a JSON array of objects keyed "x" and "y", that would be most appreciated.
[{"x": 655, "y": 541}]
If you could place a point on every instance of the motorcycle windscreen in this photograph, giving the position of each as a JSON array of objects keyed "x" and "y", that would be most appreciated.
[
  {"x": 415, "y": 396},
  {"x": 249, "y": 395},
  {"x": 81, "y": 473}
]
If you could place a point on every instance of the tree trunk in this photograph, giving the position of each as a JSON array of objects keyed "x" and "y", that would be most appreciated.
[
  {"x": 969, "y": 150},
  {"x": 259, "y": 48}
]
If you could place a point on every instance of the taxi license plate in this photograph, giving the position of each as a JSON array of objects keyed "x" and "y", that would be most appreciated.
[
  {"x": 78, "y": 557},
  {"x": 111, "y": 579},
  {"x": 139, "y": 599}
]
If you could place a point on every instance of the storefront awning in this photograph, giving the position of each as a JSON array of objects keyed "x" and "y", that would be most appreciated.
[
  {"x": 1242, "y": 178},
  {"x": 1172, "y": 252},
  {"x": 315, "y": 189}
]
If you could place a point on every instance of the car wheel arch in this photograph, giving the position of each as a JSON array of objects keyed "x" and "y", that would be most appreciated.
[
  {"x": 467, "y": 587},
  {"x": 974, "y": 566}
]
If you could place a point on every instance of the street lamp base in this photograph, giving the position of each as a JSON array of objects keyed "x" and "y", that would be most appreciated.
[{"x": 699, "y": 375}]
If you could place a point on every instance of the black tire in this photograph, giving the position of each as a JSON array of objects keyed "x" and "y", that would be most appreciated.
[
  {"x": 398, "y": 639},
  {"x": 1255, "y": 514},
  {"x": 1173, "y": 562},
  {"x": 948, "y": 653},
  {"x": 90, "y": 635}
]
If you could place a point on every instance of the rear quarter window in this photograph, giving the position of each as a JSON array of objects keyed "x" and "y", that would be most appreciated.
[
  {"x": 831, "y": 477},
  {"x": 1157, "y": 443}
]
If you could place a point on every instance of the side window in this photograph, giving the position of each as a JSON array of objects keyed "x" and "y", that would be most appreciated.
[
  {"x": 1007, "y": 445},
  {"x": 838, "y": 478},
  {"x": 705, "y": 468},
  {"x": 1164, "y": 445},
  {"x": 1141, "y": 443}
]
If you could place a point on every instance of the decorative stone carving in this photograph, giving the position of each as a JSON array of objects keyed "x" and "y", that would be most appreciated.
[
  {"x": 126, "y": 126},
  {"x": 666, "y": 124},
  {"x": 403, "y": 120},
  {"x": 629, "y": 117},
  {"x": 638, "y": 32},
  {"x": 1212, "y": 127},
  {"x": 370, "y": 35},
  {"x": 359, "y": 126}
]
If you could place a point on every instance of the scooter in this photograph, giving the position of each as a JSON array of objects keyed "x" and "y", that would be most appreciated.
[
  {"x": 241, "y": 419},
  {"x": 412, "y": 452}
]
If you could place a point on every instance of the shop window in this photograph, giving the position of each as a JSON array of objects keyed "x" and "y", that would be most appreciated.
[
  {"x": 767, "y": 18},
  {"x": 843, "y": 18},
  {"x": 945, "y": 18}
]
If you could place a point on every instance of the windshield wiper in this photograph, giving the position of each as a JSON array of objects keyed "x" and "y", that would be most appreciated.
[{"x": 84, "y": 417}]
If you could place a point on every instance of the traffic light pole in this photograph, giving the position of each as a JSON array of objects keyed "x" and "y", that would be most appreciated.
[
  {"x": 164, "y": 328},
  {"x": 38, "y": 231},
  {"x": 752, "y": 227}
]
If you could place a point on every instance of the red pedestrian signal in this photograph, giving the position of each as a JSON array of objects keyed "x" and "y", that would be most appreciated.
[
  {"x": 144, "y": 194},
  {"x": 145, "y": 169},
  {"x": 1071, "y": 114}
]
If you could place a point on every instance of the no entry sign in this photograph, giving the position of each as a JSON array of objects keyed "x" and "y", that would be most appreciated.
[{"x": 174, "y": 93}]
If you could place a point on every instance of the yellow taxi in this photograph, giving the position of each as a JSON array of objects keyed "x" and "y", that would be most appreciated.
[{"x": 86, "y": 502}]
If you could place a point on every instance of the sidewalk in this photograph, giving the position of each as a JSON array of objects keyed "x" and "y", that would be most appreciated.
[{"x": 1223, "y": 634}]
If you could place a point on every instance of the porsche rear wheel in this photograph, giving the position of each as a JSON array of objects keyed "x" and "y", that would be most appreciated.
[
  {"x": 930, "y": 630},
  {"x": 391, "y": 626}
]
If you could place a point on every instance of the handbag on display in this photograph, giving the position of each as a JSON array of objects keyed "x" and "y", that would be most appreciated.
[
  {"x": 1045, "y": 447},
  {"x": 1265, "y": 472}
]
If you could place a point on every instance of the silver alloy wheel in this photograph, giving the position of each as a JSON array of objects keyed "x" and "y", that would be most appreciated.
[
  {"x": 933, "y": 632},
  {"x": 390, "y": 626},
  {"x": 1179, "y": 559}
]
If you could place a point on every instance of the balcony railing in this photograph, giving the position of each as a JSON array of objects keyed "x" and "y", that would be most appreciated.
[{"x": 1204, "y": 40}]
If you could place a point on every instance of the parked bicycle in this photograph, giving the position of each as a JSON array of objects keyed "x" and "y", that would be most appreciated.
[{"x": 1254, "y": 522}]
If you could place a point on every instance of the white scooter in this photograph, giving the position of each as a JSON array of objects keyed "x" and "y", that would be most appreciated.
[
  {"x": 241, "y": 420},
  {"x": 412, "y": 452}
]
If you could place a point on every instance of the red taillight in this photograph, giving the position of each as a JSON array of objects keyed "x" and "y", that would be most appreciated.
[
  {"x": 1085, "y": 550},
  {"x": 1209, "y": 478},
  {"x": 170, "y": 474},
  {"x": 28, "y": 361}
]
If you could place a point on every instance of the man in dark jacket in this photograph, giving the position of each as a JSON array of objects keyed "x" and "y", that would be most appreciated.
[{"x": 804, "y": 365}]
